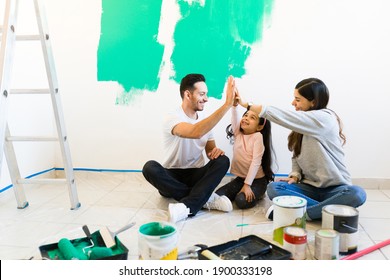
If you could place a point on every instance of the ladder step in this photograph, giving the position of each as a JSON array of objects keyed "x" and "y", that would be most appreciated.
[
  {"x": 30, "y": 91},
  {"x": 30, "y": 138},
  {"x": 41, "y": 181},
  {"x": 28, "y": 37}
]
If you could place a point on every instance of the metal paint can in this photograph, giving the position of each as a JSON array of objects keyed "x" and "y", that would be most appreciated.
[
  {"x": 295, "y": 241},
  {"x": 326, "y": 244},
  {"x": 343, "y": 219},
  {"x": 288, "y": 211}
]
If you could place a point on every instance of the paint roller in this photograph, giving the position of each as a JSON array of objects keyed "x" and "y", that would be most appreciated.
[
  {"x": 361, "y": 253},
  {"x": 69, "y": 251},
  {"x": 109, "y": 236},
  {"x": 97, "y": 253}
]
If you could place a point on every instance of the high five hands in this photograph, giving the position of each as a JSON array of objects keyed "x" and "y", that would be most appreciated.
[{"x": 237, "y": 99}]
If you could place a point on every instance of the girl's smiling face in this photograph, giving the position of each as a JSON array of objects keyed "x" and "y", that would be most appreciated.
[{"x": 250, "y": 123}]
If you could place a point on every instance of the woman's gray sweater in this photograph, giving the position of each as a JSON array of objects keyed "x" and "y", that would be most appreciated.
[{"x": 321, "y": 162}]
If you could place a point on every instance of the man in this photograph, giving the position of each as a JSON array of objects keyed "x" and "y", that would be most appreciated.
[{"x": 183, "y": 174}]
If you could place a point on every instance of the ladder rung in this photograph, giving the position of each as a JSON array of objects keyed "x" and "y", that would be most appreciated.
[
  {"x": 41, "y": 181},
  {"x": 30, "y": 138},
  {"x": 30, "y": 91},
  {"x": 28, "y": 37}
]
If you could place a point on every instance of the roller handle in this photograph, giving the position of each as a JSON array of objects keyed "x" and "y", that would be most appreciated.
[
  {"x": 366, "y": 251},
  {"x": 87, "y": 232}
]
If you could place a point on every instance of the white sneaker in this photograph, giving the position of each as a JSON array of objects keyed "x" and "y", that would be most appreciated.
[
  {"x": 221, "y": 203},
  {"x": 213, "y": 197},
  {"x": 178, "y": 212}
]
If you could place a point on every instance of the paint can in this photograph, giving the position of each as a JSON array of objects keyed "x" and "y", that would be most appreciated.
[
  {"x": 343, "y": 219},
  {"x": 288, "y": 211},
  {"x": 157, "y": 241},
  {"x": 295, "y": 241},
  {"x": 326, "y": 244}
]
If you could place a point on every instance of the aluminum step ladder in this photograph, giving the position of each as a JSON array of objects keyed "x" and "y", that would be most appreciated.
[{"x": 9, "y": 37}]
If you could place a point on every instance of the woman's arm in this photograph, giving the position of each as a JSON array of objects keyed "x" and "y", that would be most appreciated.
[{"x": 315, "y": 122}]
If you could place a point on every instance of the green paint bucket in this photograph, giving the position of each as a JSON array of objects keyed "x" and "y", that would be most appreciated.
[{"x": 157, "y": 241}]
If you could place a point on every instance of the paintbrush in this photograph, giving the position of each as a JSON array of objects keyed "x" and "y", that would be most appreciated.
[{"x": 109, "y": 236}]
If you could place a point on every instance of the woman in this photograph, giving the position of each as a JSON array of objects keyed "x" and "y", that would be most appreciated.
[{"x": 318, "y": 171}]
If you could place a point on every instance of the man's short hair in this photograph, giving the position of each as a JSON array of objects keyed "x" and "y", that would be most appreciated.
[{"x": 187, "y": 83}]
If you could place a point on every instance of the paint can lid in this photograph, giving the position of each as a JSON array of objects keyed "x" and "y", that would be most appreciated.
[
  {"x": 295, "y": 235},
  {"x": 327, "y": 233},
  {"x": 289, "y": 201},
  {"x": 340, "y": 210}
]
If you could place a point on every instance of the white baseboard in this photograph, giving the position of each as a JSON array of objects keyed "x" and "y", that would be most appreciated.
[{"x": 372, "y": 183}]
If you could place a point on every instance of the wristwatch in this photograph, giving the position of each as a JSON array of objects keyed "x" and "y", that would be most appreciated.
[{"x": 249, "y": 106}]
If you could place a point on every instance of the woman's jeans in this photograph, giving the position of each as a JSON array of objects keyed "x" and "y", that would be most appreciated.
[{"x": 317, "y": 198}]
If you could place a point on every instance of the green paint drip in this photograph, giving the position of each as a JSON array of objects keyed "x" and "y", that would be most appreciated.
[
  {"x": 215, "y": 39},
  {"x": 128, "y": 50}
]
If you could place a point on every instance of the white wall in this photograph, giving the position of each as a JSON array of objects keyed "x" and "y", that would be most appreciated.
[{"x": 345, "y": 43}]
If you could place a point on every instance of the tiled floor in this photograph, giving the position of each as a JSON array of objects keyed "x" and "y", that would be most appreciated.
[{"x": 115, "y": 199}]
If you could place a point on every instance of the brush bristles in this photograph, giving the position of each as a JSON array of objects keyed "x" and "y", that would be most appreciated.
[{"x": 107, "y": 238}]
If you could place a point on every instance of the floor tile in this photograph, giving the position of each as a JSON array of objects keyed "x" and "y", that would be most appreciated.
[{"x": 114, "y": 199}]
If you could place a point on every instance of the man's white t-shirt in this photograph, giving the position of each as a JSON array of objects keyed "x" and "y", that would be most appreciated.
[{"x": 183, "y": 152}]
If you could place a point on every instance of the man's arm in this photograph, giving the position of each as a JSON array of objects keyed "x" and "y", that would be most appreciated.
[
  {"x": 212, "y": 151},
  {"x": 196, "y": 131}
]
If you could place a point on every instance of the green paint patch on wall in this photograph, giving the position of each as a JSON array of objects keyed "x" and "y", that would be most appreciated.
[
  {"x": 216, "y": 39},
  {"x": 128, "y": 51},
  {"x": 213, "y": 37}
]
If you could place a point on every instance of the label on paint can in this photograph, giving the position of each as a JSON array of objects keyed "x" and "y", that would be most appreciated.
[
  {"x": 288, "y": 211},
  {"x": 343, "y": 219},
  {"x": 294, "y": 241},
  {"x": 326, "y": 244}
]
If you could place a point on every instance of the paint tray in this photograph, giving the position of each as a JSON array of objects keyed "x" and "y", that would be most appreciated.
[
  {"x": 250, "y": 247},
  {"x": 51, "y": 251}
]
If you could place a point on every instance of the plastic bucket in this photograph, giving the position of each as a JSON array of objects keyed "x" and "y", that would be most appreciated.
[
  {"x": 288, "y": 211},
  {"x": 157, "y": 241}
]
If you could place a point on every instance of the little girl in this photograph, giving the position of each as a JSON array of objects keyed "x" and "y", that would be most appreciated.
[{"x": 252, "y": 159}]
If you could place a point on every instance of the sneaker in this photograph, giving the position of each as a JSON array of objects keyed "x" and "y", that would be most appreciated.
[
  {"x": 213, "y": 197},
  {"x": 270, "y": 213},
  {"x": 178, "y": 212},
  {"x": 221, "y": 203}
]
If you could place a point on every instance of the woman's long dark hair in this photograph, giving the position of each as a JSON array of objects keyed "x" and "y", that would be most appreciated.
[
  {"x": 312, "y": 89},
  {"x": 269, "y": 154}
]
